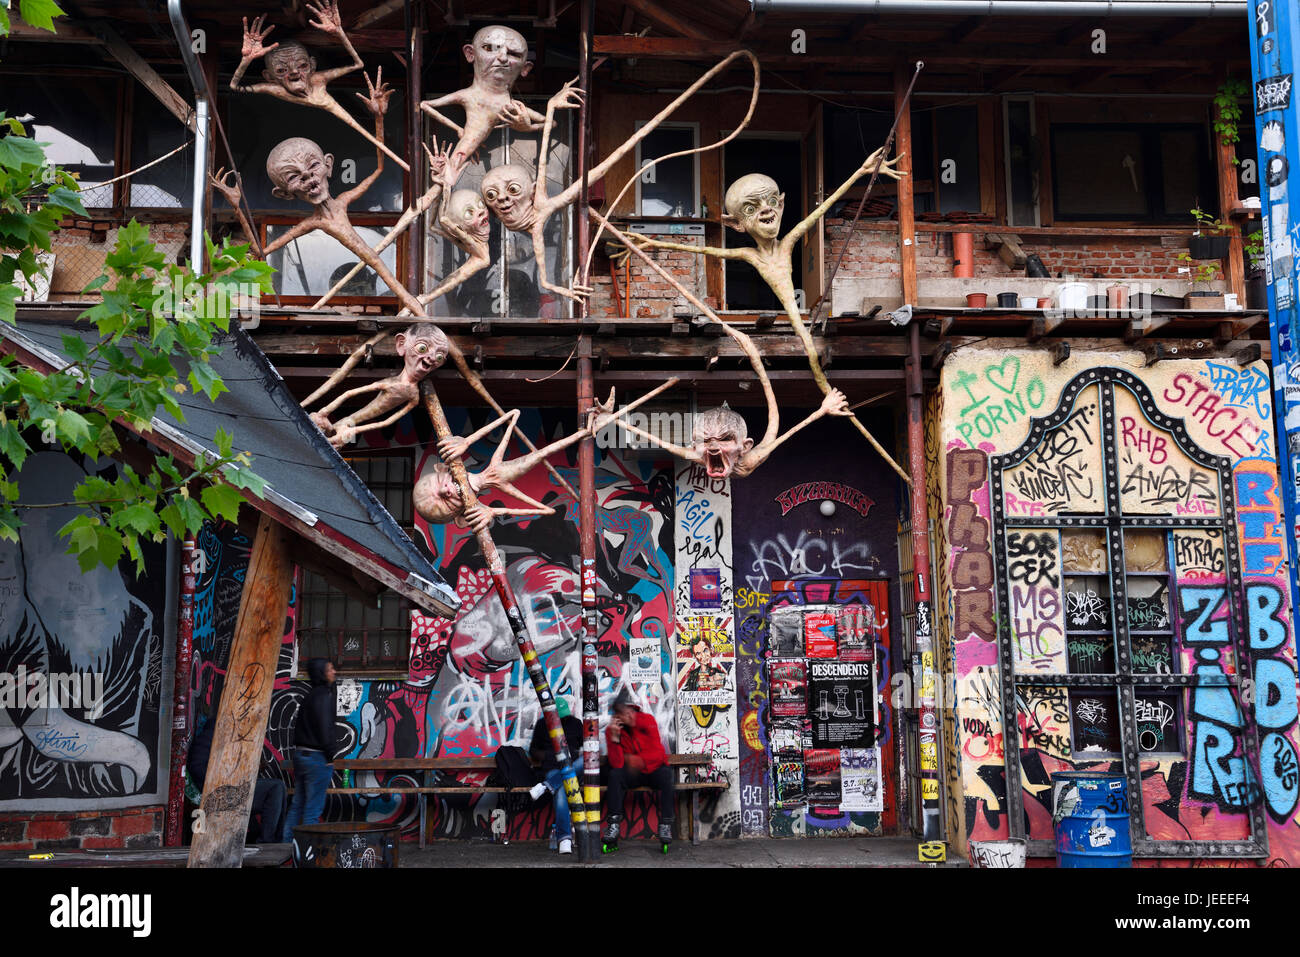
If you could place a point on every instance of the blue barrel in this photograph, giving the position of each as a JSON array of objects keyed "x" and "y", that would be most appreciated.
[{"x": 1090, "y": 818}]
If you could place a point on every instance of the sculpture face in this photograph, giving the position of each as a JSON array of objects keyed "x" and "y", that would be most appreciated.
[
  {"x": 467, "y": 209},
  {"x": 508, "y": 192},
  {"x": 499, "y": 55},
  {"x": 423, "y": 348},
  {"x": 720, "y": 438},
  {"x": 756, "y": 203},
  {"x": 300, "y": 170},
  {"x": 437, "y": 498},
  {"x": 291, "y": 66}
]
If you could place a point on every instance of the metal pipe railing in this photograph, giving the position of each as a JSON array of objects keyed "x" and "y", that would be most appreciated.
[{"x": 198, "y": 222}]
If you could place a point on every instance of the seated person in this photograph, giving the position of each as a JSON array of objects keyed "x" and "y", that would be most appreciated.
[
  {"x": 553, "y": 778},
  {"x": 636, "y": 757},
  {"x": 268, "y": 793}
]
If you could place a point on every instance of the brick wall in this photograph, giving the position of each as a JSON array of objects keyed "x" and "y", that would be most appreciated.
[
  {"x": 84, "y": 830},
  {"x": 652, "y": 297}
]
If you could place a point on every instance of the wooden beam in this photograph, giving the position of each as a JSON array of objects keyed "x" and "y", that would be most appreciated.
[
  {"x": 686, "y": 48},
  {"x": 963, "y": 30},
  {"x": 906, "y": 207},
  {"x": 245, "y": 701},
  {"x": 64, "y": 32},
  {"x": 121, "y": 51},
  {"x": 1225, "y": 155},
  {"x": 667, "y": 20}
]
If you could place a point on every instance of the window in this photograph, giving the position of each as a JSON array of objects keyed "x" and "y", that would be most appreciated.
[
  {"x": 155, "y": 132},
  {"x": 1022, "y": 154},
  {"x": 310, "y": 265},
  {"x": 1121, "y": 612},
  {"x": 1130, "y": 172},
  {"x": 670, "y": 187},
  {"x": 333, "y": 625},
  {"x": 78, "y": 121}
]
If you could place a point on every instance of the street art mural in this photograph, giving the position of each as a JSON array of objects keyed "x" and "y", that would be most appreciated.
[
  {"x": 798, "y": 568},
  {"x": 82, "y": 659},
  {"x": 1100, "y": 517}
]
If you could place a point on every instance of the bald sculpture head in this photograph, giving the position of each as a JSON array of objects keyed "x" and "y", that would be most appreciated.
[{"x": 300, "y": 169}]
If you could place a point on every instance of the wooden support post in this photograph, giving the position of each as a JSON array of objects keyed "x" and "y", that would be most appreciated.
[
  {"x": 245, "y": 701},
  {"x": 135, "y": 64},
  {"x": 1226, "y": 171},
  {"x": 906, "y": 208}
]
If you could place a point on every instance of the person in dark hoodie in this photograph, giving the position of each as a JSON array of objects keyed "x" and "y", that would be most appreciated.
[{"x": 313, "y": 747}]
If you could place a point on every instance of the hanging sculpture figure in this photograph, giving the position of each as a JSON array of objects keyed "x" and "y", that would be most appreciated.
[
  {"x": 519, "y": 199},
  {"x": 423, "y": 347},
  {"x": 754, "y": 205},
  {"x": 438, "y": 499},
  {"x": 720, "y": 438},
  {"x": 290, "y": 72},
  {"x": 500, "y": 57}
]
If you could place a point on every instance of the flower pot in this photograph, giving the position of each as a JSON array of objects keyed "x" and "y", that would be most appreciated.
[
  {"x": 1116, "y": 297},
  {"x": 977, "y": 300},
  {"x": 1256, "y": 291},
  {"x": 1008, "y": 300},
  {"x": 1208, "y": 247},
  {"x": 1204, "y": 300},
  {"x": 1045, "y": 302}
]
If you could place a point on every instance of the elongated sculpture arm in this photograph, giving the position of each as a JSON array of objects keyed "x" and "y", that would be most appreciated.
[{"x": 868, "y": 166}]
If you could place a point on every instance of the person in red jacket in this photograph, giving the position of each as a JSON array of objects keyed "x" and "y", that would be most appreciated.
[{"x": 636, "y": 757}]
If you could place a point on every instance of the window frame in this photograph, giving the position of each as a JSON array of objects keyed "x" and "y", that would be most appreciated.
[
  {"x": 694, "y": 212},
  {"x": 396, "y": 667},
  {"x": 1112, "y": 522}
]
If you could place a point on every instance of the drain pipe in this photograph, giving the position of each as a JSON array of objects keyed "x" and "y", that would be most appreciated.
[
  {"x": 1017, "y": 8},
  {"x": 198, "y": 222}
]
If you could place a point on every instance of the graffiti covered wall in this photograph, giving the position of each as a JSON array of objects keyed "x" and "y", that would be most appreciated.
[
  {"x": 790, "y": 557},
  {"x": 97, "y": 740},
  {"x": 1192, "y": 576}
]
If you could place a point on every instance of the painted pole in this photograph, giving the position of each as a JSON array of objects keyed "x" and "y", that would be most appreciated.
[
  {"x": 181, "y": 696},
  {"x": 1274, "y": 39},
  {"x": 924, "y": 639},
  {"x": 527, "y": 652}
]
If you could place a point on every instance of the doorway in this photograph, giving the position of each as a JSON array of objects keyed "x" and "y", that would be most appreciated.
[{"x": 779, "y": 157}]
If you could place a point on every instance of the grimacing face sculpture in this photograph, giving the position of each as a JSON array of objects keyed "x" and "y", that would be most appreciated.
[{"x": 720, "y": 437}]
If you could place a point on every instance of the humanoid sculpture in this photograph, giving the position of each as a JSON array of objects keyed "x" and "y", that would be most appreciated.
[
  {"x": 438, "y": 498},
  {"x": 290, "y": 72},
  {"x": 519, "y": 199},
  {"x": 422, "y": 347},
  {"x": 500, "y": 57},
  {"x": 754, "y": 204},
  {"x": 719, "y": 437}
]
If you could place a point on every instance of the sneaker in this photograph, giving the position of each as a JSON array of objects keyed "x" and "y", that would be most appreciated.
[
  {"x": 566, "y": 845},
  {"x": 537, "y": 790},
  {"x": 666, "y": 831},
  {"x": 611, "y": 828}
]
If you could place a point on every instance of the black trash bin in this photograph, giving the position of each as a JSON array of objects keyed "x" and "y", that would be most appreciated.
[{"x": 350, "y": 844}]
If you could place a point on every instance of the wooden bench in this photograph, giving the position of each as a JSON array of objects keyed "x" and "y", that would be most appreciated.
[{"x": 428, "y": 768}]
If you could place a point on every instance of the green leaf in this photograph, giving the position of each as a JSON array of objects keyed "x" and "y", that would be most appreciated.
[
  {"x": 204, "y": 380},
  {"x": 15, "y": 151},
  {"x": 40, "y": 13},
  {"x": 139, "y": 518},
  {"x": 65, "y": 198},
  {"x": 222, "y": 501},
  {"x": 73, "y": 428},
  {"x": 8, "y": 298}
]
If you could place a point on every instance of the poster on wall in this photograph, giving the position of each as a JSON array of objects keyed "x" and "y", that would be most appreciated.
[
  {"x": 821, "y": 769},
  {"x": 788, "y": 681},
  {"x": 855, "y": 627},
  {"x": 705, "y": 662},
  {"x": 819, "y": 634},
  {"x": 860, "y": 780},
  {"x": 787, "y": 784},
  {"x": 706, "y": 589},
  {"x": 785, "y": 633},
  {"x": 841, "y": 704},
  {"x": 643, "y": 661},
  {"x": 786, "y": 738}
]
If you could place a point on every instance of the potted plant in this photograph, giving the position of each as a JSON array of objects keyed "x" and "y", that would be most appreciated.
[
  {"x": 1203, "y": 273},
  {"x": 1211, "y": 240},
  {"x": 1256, "y": 283}
]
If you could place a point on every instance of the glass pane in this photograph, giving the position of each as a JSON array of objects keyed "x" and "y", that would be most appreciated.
[
  {"x": 1094, "y": 718},
  {"x": 1199, "y": 557},
  {"x": 1043, "y": 714},
  {"x": 1023, "y": 165},
  {"x": 311, "y": 264},
  {"x": 957, "y": 129},
  {"x": 668, "y": 187},
  {"x": 156, "y": 133},
  {"x": 1099, "y": 171},
  {"x": 1158, "y": 722},
  {"x": 1145, "y": 551},
  {"x": 74, "y": 118},
  {"x": 1090, "y": 640},
  {"x": 1179, "y": 169},
  {"x": 1084, "y": 552}
]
